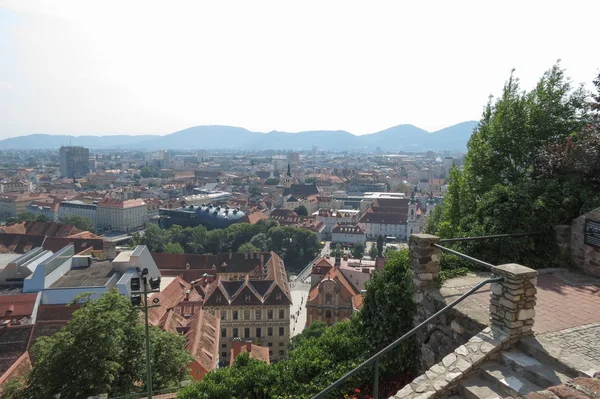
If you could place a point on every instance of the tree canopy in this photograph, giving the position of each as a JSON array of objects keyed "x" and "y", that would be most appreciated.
[
  {"x": 533, "y": 162},
  {"x": 295, "y": 245},
  {"x": 102, "y": 350},
  {"x": 81, "y": 222}
]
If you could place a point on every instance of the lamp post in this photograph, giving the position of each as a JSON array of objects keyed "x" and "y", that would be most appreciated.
[{"x": 136, "y": 301}]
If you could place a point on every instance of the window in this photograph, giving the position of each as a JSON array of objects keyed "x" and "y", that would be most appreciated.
[
  {"x": 247, "y": 298},
  {"x": 247, "y": 332},
  {"x": 223, "y": 315},
  {"x": 258, "y": 314},
  {"x": 258, "y": 332},
  {"x": 281, "y": 314},
  {"x": 281, "y": 344},
  {"x": 328, "y": 314},
  {"x": 223, "y": 354},
  {"x": 270, "y": 331},
  {"x": 281, "y": 353},
  {"x": 223, "y": 346},
  {"x": 246, "y": 315},
  {"x": 235, "y": 315},
  {"x": 278, "y": 296},
  {"x": 218, "y": 298},
  {"x": 270, "y": 353},
  {"x": 270, "y": 314},
  {"x": 223, "y": 332},
  {"x": 281, "y": 331},
  {"x": 235, "y": 333},
  {"x": 270, "y": 344},
  {"x": 328, "y": 298}
]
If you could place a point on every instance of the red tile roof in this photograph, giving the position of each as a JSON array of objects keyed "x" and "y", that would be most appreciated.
[{"x": 16, "y": 306}]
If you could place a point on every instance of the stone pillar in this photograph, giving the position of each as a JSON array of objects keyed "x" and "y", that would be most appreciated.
[
  {"x": 512, "y": 306},
  {"x": 425, "y": 260}
]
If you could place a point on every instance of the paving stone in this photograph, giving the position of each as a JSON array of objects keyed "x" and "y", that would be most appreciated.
[
  {"x": 509, "y": 380},
  {"x": 532, "y": 369},
  {"x": 462, "y": 350},
  {"x": 478, "y": 389}
]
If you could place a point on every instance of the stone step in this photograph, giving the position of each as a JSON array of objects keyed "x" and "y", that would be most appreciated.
[
  {"x": 548, "y": 354},
  {"x": 507, "y": 380},
  {"x": 476, "y": 388},
  {"x": 532, "y": 369}
]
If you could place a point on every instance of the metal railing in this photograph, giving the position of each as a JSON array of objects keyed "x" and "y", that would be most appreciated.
[
  {"x": 467, "y": 257},
  {"x": 491, "y": 237},
  {"x": 375, "y": 358},
  {"x": 144, "y": 394}
]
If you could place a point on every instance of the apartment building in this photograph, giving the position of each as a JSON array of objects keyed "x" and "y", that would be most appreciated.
[
  {"x": 118, "y": 215},
  {"x": 251, "y": 296},
  {"x": 78, "y": 208}
]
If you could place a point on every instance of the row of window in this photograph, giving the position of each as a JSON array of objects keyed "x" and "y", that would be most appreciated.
[
  {"x": 257, "y": 315},
  {"x": 258, "y": 332}
]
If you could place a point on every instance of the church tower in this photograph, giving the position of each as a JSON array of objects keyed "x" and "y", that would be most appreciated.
[
  {"x": 412, "y": 222},
  {"x": 287, "y": 180}
]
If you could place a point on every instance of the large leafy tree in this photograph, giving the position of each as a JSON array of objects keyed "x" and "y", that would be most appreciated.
[
  {"x": 388, "y": 310},
  {"x": 102, "y": 350},
  {"x": 530, "y": 165},
  {"x": 81, "y": 222}
]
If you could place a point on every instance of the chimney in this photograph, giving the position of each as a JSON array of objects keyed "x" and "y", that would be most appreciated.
[
  {"x": 230, "y": 254},
  {"x": 338, "y": 260},
  {"x": 262, "y": 261},
  {"x": 187, "y": 295},
  {"x": 248, "y": 346},
  {"x": 237, "y": 347}
]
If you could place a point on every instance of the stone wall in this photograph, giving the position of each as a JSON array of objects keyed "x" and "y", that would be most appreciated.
[
  {"x": 450, "y": 330},
  {"x": 584, "y": 256}
]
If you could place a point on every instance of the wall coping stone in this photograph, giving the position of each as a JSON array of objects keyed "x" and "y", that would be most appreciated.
[
  {"x": 443, "y": 377},
  {"x": 514, "y": 270}
]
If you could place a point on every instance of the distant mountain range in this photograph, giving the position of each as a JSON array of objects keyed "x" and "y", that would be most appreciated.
[{"x": 401, "y": 137}]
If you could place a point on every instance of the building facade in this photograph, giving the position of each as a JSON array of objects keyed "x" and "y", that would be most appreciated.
[
  {"x": 252, "y": 299},
  {"x": 117, "y": 215},
  {"x": 348, "y": 234},
  {"x": 74, "y": 162},
  {"x": 78, "y": 208}
]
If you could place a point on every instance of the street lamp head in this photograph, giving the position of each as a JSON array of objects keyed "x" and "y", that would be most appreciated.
[{"x": 145, "y": 272}]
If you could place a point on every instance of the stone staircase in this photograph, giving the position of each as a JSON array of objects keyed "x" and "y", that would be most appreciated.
[{"x": 515, "y": 373}]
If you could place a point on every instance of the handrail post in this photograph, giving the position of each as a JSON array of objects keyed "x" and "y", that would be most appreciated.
[
  {"x": 376, "y": 379},
  {"x": 512, "y": 304}
]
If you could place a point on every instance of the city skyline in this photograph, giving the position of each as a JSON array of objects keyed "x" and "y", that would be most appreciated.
[{"x": 109, "y": 68}]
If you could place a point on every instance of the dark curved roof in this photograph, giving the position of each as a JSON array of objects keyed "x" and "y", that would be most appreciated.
[{"x": 209, "y": 215}]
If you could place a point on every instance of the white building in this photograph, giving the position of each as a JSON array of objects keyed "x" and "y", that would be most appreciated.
[
  {"x": 348, "y": 234},
  {"x": 77, "y": 208},
  {"x": 59, "y": 277},
  {"x": 125, "y": 216}
]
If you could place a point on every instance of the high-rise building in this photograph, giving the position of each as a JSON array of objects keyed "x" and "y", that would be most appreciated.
[
  {"x": 74, "y": 161},
  {"x": 294, "y": 158}
]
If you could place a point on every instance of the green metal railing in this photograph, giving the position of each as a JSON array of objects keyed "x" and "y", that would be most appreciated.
[{"x": 376, "y": 358}]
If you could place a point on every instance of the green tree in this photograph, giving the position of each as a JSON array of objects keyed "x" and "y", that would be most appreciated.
[
  {"x": 260, "y": 241},
  {"x": 254, "y": 190},
  {"x": 41, "y": 218},
  {"x": 388, "y": 310},
  {"x": 247, "y": 378},
  {"x": 373, "y": 252},
  {"x": 153, "y": 237},
  {"x": 81, "y": 222},
  {"x": 519, "y": 173},
  {"x": 173, "y": 248},
  {"x": 247, "y": 248},
  {"x": 14, "y": 389},
  {"x": 102, "y": 350},
  {"x": 433, "y": 220},
  {"x": 301, "y": 210},
  {"x": 146, "y": 172},
  {"x": 358, "y": 251}
]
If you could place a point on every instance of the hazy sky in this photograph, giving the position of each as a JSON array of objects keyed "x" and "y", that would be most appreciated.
[{"x": 108, "y": 67}]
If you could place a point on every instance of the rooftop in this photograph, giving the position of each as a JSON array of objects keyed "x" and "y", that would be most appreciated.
[{"x": 96, "y": 275}]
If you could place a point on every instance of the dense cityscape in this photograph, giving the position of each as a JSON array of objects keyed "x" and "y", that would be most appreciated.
[{"x": 147, "y": 252}]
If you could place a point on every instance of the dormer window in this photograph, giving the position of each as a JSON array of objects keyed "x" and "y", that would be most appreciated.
[
  {"x": 278, "y": 296},
  {"x": 247, "y": 298},
  {"x": 219, "y": 299}
]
